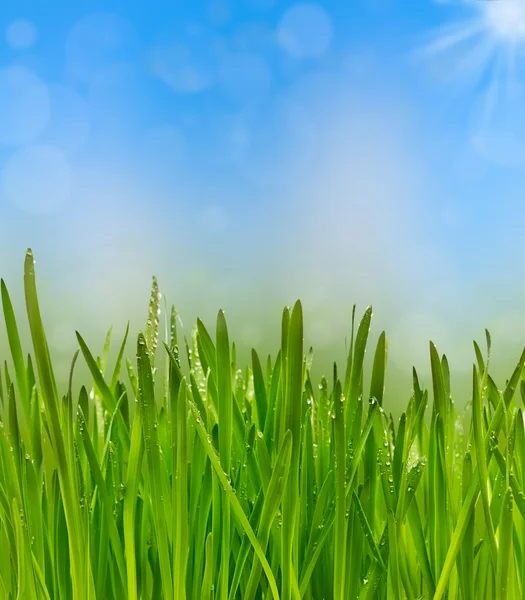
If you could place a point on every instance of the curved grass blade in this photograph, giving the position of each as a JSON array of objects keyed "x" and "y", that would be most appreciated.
[
  {"x": 207, "y": 352},
  {"x": 242, "y": 554},
  {"x": 16, "y": 353},
  {"x": 235, "y": 504},
  {"x": 272, "y": 501},
  {"x": 418, "y": 536},
  {"x": 118, "y": 364},
  {"x": 106, "y": 502},
  {"x": 105, "y": 391},
  {"x": 468, "y": 506},
  {"x": 369, "y": 536}
]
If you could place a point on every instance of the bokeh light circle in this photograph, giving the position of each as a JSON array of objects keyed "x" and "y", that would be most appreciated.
[
  {"x": 305, "y": 31},
  {"x": 184, "y": 57},
  {"x": 21, "y": 34},
  {"x": 96, "y": 41}
]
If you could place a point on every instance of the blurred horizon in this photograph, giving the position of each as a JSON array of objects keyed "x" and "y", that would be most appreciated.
[
  {"x": 250, "y": 154},
  {"x": 246, "y": 333}
]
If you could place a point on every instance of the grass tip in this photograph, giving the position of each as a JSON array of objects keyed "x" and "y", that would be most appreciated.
[
  {"x": 298, "y": 306},
  {"x": 221, "y": 319}
]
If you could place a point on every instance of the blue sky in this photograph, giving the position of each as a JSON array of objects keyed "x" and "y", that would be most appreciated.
[{"x": 249, "y": 153}]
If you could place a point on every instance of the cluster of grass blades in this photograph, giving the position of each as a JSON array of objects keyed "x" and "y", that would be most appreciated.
[{"x": 254, "y": 483}]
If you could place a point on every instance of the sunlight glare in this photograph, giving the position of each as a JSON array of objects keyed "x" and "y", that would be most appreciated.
[
  {"x": 485, "y": 52},
  {"x": 505, "y": 18}
]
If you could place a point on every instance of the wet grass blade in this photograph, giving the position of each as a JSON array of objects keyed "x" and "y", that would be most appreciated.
[
  {"x": 102, "y": 491},
  {"x": 82, "y": 578},
  {"x": 340, "y": 495},
  {"x": 135, "y": 458},
  {"x": 235, "y": 505},
  {"x": 180, "y": 490},
  {"x": 271, "y": 503},
  {"x": 354, "y": 372},
  {"x": 482, "y": 465},
  {"x": 207, "y": 582},
  {"x": 16, "y": 353},
  {"x": 292, "y": 418},
  {"x": 225, "y": 395},
  {"x": 155, "y": 466},
  {"x": 504, "y": 558},
  {"x": 105, "y": 391},
  {"x": 259, "y": 390},
  {"x": 118, "y": 364},
  {"x": 367, "y": 530}
]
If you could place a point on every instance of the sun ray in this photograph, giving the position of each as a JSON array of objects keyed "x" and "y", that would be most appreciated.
[
  {"x": 483, "y": 53},
  {"x": 476, "y": 60},
  {"x": 492, "y": 91},
  {"x": 451, "y": 37}
]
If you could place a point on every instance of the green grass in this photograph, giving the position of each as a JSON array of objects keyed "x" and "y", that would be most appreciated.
[{"x": 253, "y": 482}]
